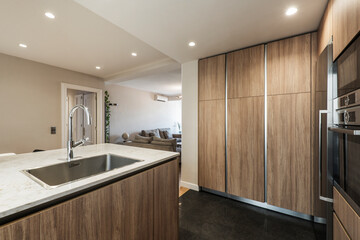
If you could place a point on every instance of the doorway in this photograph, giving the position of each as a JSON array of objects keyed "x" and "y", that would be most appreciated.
[{"x": 72, "y": 95}]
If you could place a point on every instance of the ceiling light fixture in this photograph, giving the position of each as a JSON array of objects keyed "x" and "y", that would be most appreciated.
[
  {"x": 22, "y": 45},
  {"x": 98, "y": 67},
  {"x": 134, "y": 54},
  {"x": 192, "y": 44},
  {"x": 50, "y": 15},
  {"x": 291, "y": 11}
]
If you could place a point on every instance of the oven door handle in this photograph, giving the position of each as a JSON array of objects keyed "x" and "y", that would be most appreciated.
[
  {"x": 345, "y": 131},
  {"x": 326, "y": 199}
]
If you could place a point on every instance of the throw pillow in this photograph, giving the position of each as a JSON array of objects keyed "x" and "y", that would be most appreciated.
[
  {"x": 151, "y": 133},
  {"x": 168, "y": 134},
  {"x": 162, "y": 130}
]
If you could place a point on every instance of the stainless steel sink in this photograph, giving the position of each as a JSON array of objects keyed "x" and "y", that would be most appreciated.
[{"x": 59, "y": 174}]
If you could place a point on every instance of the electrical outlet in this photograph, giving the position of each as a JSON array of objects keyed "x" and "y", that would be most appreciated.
[{"x": 53, "y": 130}]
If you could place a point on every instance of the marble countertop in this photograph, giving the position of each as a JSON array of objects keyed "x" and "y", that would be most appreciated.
[{"x": 18, "y": 192}]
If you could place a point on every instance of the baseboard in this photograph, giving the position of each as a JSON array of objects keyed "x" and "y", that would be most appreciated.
[{"x": 191, "y": 186}]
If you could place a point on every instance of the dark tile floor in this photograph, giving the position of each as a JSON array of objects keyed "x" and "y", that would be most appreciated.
[{"x": 207, "y": 216}]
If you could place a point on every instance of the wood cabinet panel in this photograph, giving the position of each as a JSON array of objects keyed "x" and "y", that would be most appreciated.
[
  {"x": 347, "y": 216},
  {"x": 212, "y": 144},
  {"x": 91, "y": 215},
  {"x": 55, "y": 223},
  {"x": 23, "y": 229},
  {"x": 132, "y": 207},
  {"x": 212, "y": 78},
  {"x": 339, "y": 232},
  {"x": 288, "y": 65},
  {"x": 289, "y": 164},
  {"x": 245, "y": 160},
  {"x": 346, "y": 14},
  {"x": 246, "y": 72},
  {"x": 166, "y": 201},
  {"x": 325, "y": 28}
]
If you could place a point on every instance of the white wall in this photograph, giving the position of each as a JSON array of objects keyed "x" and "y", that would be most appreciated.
[
  {"x": 30, "y": 103},
  {"x": 137, "y": 110},
  {"x": 189, "y": 152}
]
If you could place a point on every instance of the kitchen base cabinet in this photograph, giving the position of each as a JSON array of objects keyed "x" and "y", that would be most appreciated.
[
  {"x": 23, "y": 229},
  {"x": 132, "y": 207},
  {"x": 339, "y": 232},
  {"x": 166, "y": 206},
  {"x": 143, "y": 206}
]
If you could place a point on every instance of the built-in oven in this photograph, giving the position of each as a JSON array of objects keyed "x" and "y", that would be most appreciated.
[{"x": 346, "y": 125}]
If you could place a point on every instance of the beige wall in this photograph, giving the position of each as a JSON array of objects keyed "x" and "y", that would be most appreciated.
[
  {"x": 30, "y": 103},
  {"x": 189, "y": 153},
  {"x": 137, "y": 110}
]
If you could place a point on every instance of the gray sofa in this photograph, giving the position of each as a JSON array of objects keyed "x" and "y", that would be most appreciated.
[{"x": 160, "y": 139}]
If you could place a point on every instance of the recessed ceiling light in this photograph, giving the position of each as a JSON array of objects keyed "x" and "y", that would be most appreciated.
[
  {"x": 22, "y": 45},
  {"x": 192, "y": 44},
  {"x": 291, "y": 11},
  {"x": 134, "y": 54},
  {"x": 98, "y": 67},
  {"x": 50, "y": 15}
]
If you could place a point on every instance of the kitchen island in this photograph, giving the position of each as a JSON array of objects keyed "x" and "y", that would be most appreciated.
[{"x": 137, "y": 201}]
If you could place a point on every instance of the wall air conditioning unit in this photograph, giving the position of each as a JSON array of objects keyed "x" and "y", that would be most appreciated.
[{"x": 160, "y": 98}]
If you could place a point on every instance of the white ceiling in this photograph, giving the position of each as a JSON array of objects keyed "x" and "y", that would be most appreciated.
[
  {"x": 165, "y": 83},
  {"x": 215, "y": 25},
  {"x": 77, "y": 39}
]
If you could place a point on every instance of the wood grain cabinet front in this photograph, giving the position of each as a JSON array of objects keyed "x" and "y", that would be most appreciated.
[
  {"x": 212, "y": 78},
  {"x": 23, "y": 229},
  {"x": 346, "y": 23},
  {"x": 245, "y": 154},
  {"x": 349, "y": 219},
  {"x": 289, "y": 164},
  {"x": 339, "y": 233},
  {"x": 288, "y": 65},
  {"x": 212, "y": 144},
  {"x": 132, "y": 208}
]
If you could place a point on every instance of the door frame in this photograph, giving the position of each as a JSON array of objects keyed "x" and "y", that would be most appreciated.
[{"x": 99, "y": 107}]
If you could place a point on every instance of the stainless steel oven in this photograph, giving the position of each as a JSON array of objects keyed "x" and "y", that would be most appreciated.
[{"x": 346, "y": 125}]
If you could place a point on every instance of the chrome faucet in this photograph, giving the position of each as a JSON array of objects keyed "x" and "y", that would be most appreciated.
[{"x": 71, "y": 144}]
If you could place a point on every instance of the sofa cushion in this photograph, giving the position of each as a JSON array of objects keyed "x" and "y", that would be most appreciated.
[
  {"x": 141, "y": 139},
  {"x": 167, "y": 142},
  {"x": 150, "y": 133}
]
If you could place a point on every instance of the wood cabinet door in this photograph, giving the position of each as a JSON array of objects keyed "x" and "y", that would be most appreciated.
[
  {"x": 288, "y": 65},
  {"x": 346, "y": 215},
  {"x": 246, "y": 72},
  {"x": 166, "y": 201},
  {"x": 91, "y": 215},
  {"x": 325, "y": 30},
  {"x": 339, "y": 232},
  {"x": 55, "y": 223},
  {"x": 245, "y": 162},
  {"x": 288, "y": 147},
  {"x": 23, "y": 229},
  {"x": 132, "y": 207},
  {"x": 212, "y": 144},
  {"x": 346, "y": 15},
  {"x": 212, "y": 78}
]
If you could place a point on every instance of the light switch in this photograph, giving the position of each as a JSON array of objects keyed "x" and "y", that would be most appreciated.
[{"x": 53, "y": 130}]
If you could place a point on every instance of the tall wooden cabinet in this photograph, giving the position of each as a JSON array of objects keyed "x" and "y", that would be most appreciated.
[
  {"x": 245, "y": 146},
  {"x": 212, "y": 123},
  {"x": 289, "y": 170},
  {"x": 289, "y": 104}
]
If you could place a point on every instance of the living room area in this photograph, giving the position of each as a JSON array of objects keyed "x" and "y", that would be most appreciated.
[{"x": 145, "y": 111}]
